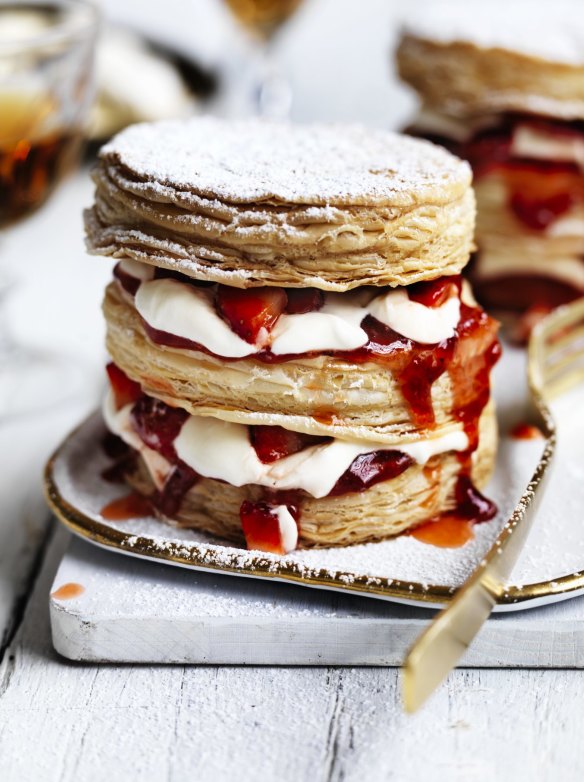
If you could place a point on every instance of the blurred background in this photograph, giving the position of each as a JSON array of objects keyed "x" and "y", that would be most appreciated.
[
  {"x": 335, "y": 54},
  {"x": 311, "y": 60},
  {"x": 178, "y": 57}
]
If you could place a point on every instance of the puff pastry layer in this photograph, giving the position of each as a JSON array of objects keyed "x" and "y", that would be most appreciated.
[
  {"x": 383, "y": 510},
  {"x": 321, "y": 395},
  {"x": 465, "y": 79},
  {"x": 250, "y": 204}
]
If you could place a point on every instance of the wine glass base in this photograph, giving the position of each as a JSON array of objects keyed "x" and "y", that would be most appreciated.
[{"x": 33, "y": 382}]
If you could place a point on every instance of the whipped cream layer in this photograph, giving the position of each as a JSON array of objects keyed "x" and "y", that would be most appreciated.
[
  {"x": 186, "y": 311},
  {"x": 491, "y": 264},
  {"x": 430, "y": 122},
  {"x": 528, "y": 140},
  {"x": 223, "y": 451},
  {"x": 538, "y": 143},
  {"x": 287, "y": 526}
]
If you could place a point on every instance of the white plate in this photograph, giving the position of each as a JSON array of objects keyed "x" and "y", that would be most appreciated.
[{"x": 402, "y": 569}]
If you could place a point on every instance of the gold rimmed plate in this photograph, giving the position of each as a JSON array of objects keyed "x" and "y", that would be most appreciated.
[{"x": 403, "y": 569}]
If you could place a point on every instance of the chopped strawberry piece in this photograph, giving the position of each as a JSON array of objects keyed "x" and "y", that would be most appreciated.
[
  {"x": 274, "y": 442},
  {"x": 435, "y": 292},
  {"x": 262, "y": 528},
  {"x": 539, "y": 213},
  {"x": 125, "y": 391},
  {"x": 302, "y": 300},
  {"x": 250, "y": 311},
  {"x": 158, "y": 425}
]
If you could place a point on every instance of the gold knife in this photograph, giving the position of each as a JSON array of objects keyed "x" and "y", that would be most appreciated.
[{"x": 555, "y": 364}]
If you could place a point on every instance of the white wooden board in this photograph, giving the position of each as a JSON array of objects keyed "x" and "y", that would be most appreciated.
[
  {"x": 76, "y": 722},
  {"x": 136, "y": 611}
]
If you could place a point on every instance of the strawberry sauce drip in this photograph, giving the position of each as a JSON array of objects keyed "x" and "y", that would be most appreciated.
[
  {"x": 158, "y": 424},
  {"x": 128, "y": 282},
  {"x": 470, "y": 503},
  {"x": 123, "y": 457},
  {"x": 132, "y": 506},
  {"x": 525, "y": 431},
  {"x": 125, "y": 391},
  {"x": 444, "y": 532},
  {"x": 455, "y": 528}
]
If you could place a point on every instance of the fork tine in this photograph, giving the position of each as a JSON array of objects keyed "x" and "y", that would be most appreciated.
[{"x": 561, "y": 358}]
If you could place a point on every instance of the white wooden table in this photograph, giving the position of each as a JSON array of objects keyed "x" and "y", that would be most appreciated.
[{"x": 75, "y": 722}]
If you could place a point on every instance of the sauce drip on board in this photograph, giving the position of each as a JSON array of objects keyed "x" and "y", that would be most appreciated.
[{"x": 68, "y": 591}]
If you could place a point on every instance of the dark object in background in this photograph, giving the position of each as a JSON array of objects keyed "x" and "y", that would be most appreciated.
[{"x": 143, "y": 80}]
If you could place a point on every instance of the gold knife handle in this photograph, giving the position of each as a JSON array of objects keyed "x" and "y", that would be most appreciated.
[
  {"x": 439, "y": 648},
  {"x": 555, "y": 363}
]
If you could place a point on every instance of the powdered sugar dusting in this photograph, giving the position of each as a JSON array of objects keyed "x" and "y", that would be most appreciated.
[
  {"x": 249, "y": 161},
  {"x": 549, "y": 31}
]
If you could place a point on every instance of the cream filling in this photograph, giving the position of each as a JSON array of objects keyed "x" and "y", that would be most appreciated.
[
  {"x": 496, "y": 264},
  {"x": 141, "y": 271},
  {"x": 569, "y": 225},
  {"x": 536, "y": 143},
  {"x": 223, "y": 451},
  {"x": 186, "y": 311},
  {"x": 431, "y": 122},
  {"x": 288, "y": 528}
]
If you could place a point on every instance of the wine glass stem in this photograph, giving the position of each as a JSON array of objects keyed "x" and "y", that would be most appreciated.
[
  {"x": 273, "y": 94},
  {"x": 7, "y": 343}
]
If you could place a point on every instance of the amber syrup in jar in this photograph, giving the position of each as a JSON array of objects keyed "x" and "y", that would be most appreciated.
[{"x": 33, "y": 157}]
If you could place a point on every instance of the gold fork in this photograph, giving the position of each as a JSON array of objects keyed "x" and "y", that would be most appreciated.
[{"x": 555, "y": 364}]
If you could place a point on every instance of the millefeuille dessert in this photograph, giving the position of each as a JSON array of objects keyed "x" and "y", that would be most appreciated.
[
  {"x": 506, "y": 92},
  {"x": 296, "y": 359}
]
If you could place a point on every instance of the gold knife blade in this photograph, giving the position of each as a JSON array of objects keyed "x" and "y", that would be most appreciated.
[{"x": 554, "y": 364}]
